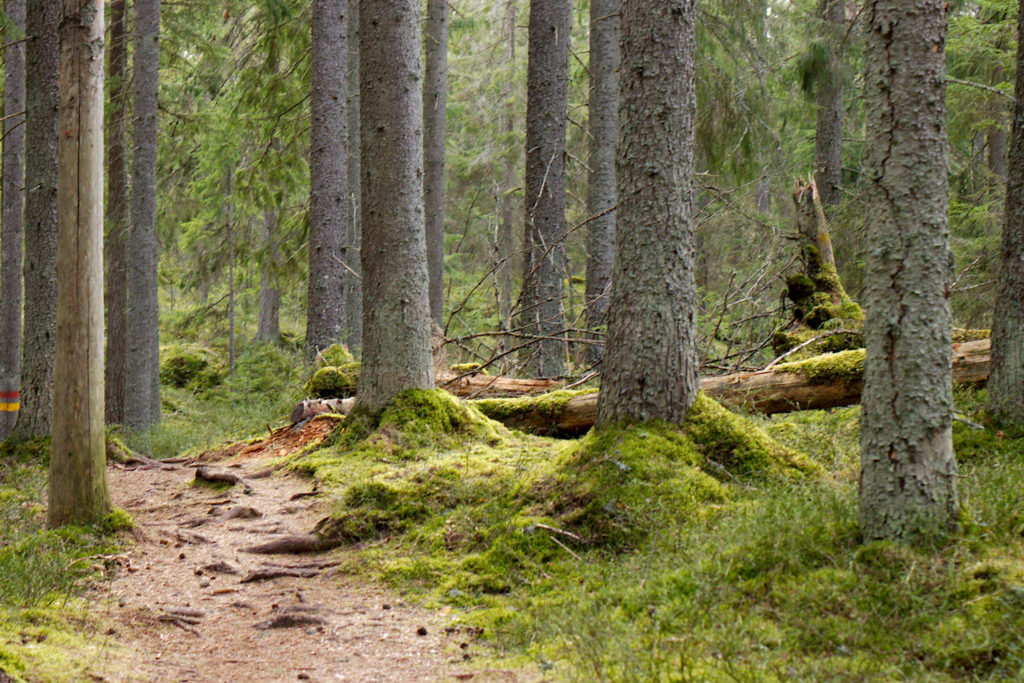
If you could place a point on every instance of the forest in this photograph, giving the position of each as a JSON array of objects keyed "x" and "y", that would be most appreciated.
[{"x": 512, "y": 340}]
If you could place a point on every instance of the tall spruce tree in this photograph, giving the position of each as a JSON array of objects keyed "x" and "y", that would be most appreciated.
[
  {"x": 1006, "y": 382},
  {"x": 908, "y": 475},
  {"x": 650, "y": 360},
  {"x": 435, "y": 109},
  {"x": 12, "y": 216},
  {"x": 396, "y": 328}
]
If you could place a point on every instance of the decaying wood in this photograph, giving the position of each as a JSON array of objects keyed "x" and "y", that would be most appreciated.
[
  {"x": 308, "y": 409},
  {"x": 488, "y": 386},
  {"x": 300, "y": 543},
  {"x": 766, "y": 392},
  {"x": 206, "y": 474}
]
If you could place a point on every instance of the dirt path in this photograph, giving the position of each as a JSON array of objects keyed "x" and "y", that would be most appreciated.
[{"x": 187, "y": 604}]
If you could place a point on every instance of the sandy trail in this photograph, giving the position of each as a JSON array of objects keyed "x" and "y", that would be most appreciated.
[{"x": 183, "y": 605}]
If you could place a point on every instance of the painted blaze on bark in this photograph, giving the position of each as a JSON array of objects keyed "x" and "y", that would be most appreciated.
[
  {"x": 908, "y": 469},
  {"x": 650, "y": 363}
]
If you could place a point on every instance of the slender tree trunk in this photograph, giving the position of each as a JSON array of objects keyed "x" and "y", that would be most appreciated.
[
  {"x": 908, "y": 470},
  {"x": 142, "y": 399},
  {"x": 353, "y": 273},
  {"x": 13, "y": 217},
  {"x": 78, "y": 475},
  {"x": 505, "y": 242},
  {"x": 328, "y": 177},
  {"x": 1006, "y": 383},
  {"x": 396, "y": 339},
  {"x": 997, "y": 163},
  {"x": 229, "y": 228},
  {"x": 650, "y": 360},
  {"x": 829, "y": 139},
  {"x": 542, "y": 311},
  {"x": 42, "y": 57},
  {"x": 117, "y": 216},
  {"x": 604, "y": 136},
  {"x": 435, "y": 35},
  {"x": 268, "y": 321}
]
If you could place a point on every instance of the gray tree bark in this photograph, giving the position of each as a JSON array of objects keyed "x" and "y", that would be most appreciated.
[
  {"x": 396, "y": 328},
  {"x": 435, "y": 108},
  {"x": 116, "y": 298},
  {"x": 268, "y": 320},
  {"x": 1006, "y": 383},
  {"x": 328, "y": 176},
  {"x": 142, "y": 399},
  {"x": 42, "y": 68},
  {"x": 650, "y": 360},
  {"x": 12, "y": 220},
  {"x": 604, "y": 136},
  {"x": 908, "y": 470},
  {"x": 505, "y": 242},
  {"x": 78, "y": 473},
  {"x": 829, "y": 137},
  {"x": 542, "y": 313},
  {"x": 353, "y": 278}
]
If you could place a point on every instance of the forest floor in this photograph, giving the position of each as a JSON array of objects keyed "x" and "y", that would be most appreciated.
[{"x": 193, "y": 605}]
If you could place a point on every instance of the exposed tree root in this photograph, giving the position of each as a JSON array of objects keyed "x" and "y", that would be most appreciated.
[
  {"x": 298, "y": 544},
  {"x": 276, "y": 573},
  {"x": 206, "y": 474}
]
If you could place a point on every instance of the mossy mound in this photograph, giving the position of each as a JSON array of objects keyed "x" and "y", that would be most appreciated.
[
  {"x": 334, "y": 355},
  {"x": 190, "y": 366},
  {"x": 334, "y": 381},
  {"x": 469, "y": 368},
  {"x": 845, "y": 366}
]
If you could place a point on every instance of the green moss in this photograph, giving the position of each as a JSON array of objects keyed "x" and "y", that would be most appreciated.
[
  {"x": 467, "y": 368},
  {"x": 190, "y": 366},
  {"x": 845, "y": 366},
  {"x": 549, "y": 404},
  {"x": 335, "y": 355},
  {"x": 117, "y": 520},
  {"x": 961, "y": 335},
  {"x": 334, "y": 381}
]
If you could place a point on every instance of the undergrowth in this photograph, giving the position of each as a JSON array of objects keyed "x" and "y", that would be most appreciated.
[
  {"x": 711, "y": 553},
  {"x": 46, "y": 633}
]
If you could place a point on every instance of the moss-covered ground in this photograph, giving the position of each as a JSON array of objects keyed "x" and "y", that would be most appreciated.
[
  {"x": 46, "y": 630},
  {"x": 724, "y": 551}
]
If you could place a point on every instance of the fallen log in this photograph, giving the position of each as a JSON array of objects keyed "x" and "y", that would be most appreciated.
[
  {"x": 826, "y": 381},
  {"x": 476, "y": 385}
]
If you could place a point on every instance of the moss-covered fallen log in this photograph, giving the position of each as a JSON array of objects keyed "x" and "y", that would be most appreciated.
[{"x": 826, "y": 381}]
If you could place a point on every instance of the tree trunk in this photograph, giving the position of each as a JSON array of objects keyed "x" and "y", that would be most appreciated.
[
  {"x": 42, "y": 57},
  {"x": 12, "y": 221},
  {"x": 117, "y": 217},
  {"x": 328, "y": 181},
  {"x": 650, "y": 360},
  {"x": 1006, "y": 388},
  {"x": 435, "y": 35},
  {"x": 268, "y": 321},
  {"x": 142, "y": 399},
  {"x": 997, "y": 163},
  {"x": 547, "y": 82},
  {"x": 780, "y": 390},
  {"x": 229, "y": 228},
  {"x": 908, "y": 469},
  {"x": 829, "y": 138},
  {"x": 396, "y": 328},
  {"x": 505, "y": 247},
  {"x": 78, "y": 475},
  {"x": 604, "y": 135},
  {"x": 353, "y": 274}
]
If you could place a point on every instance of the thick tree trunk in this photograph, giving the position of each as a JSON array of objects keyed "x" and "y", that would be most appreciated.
[
  {"x": 117, "y": 217},
  {"x": 328, "y": 177},
  {"x": 1006, "y": 388},
  {"x": 435, "y": 107},
  {"x": 78, "y": 475},
  {"x": 908, "y": 469},
  {"x": 42, "y": 57},
  {"x": 353, "y": 274},
  {"x": 396, "y": 328},
  {"x": 604, "y": 136},
  {"x": 547, "y": 81},
  {"x": 650, "y": 360},
  {"x": 268, "y": 321},
  {"x": 13, "y": 217},
  {"x": 142, "y": 399},
  {"x": 829, "y": 137},
  {"x": 769, "y": 392}
]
